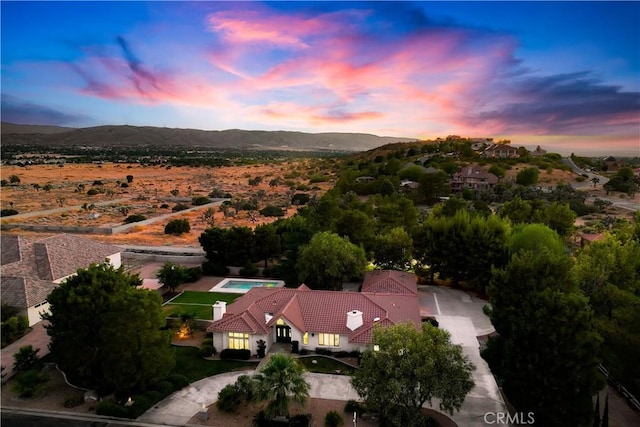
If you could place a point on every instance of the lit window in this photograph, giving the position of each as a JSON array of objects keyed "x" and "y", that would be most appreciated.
[
  {"x": 305, "y": 338},
  {"x": 280, "y": 322},
  {"x": 238, "y": 340},
  {"x": 329, "y": 339}
]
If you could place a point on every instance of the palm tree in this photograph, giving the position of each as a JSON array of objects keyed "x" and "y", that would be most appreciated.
[
  {"x": 595, "y": 181},
  {"x": 280, "y": 381}
]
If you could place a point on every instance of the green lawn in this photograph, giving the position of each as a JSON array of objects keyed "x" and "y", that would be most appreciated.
[
  {"x": 326, "y": 365},
  {"x": 194, "y": 297},
  {"x": 182, "y": 304},
  {"x": 191, "y": 365}
]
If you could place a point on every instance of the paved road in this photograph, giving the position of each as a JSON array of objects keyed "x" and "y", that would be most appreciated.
[
  {"x": 589, "y": 175},
  {"x": 21, "y": 418}
]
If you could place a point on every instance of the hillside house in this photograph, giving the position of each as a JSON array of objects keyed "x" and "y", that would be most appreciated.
[
  {"x": 31, "y": 268},
  {"x": 500, "y": 151},
  {"x": 337, "y": 321},
  {"x": 473, "y": 178},
  {"x": 538, "y": 152}
]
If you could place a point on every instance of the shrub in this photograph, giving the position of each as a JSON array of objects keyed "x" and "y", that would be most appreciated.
[
  {"x": 353, "y": 406},
  {"x": 140, "y": 404},
  {"x": 30, "y": 384},
  {"x": 333, "y": 419},
  {"x": 164, "y": 387},
  {"x": 192, "y": 274},
  {"x": 260, "y": 419},
  {"x": 324, "y": 351},
  {"x": 129, "y": 178},
  {"x": 272, "y": 211},
  {"x": 207, "y": 351},
  {"x": 179, "y": 207},
  {"x": 112, "y": 409},
  {"x": 211, "y": 269},
  {"x": 124, "y": 185},
  {"x": 73, "y": 401},
  {"x": 8, "y": 212},
  {"x": 229, "y": 398},
  {"x": 154, "y": 395},
  {"x": 300, "y": 420},
  {"x": 207, "y": 341},
  {"x": 26, "y": 359},
  {"x": 300, "y": 198},
  {"x": 14, "y": 179},
  {"x": 177, "y": 226},
  {"x": 92, "y": 192},
  {"x": 231, "y": 353},
  {"x": 178, "y": 380},
  {"x": 317, "y": 178},
  {"x": 164, "y": 206},
  {"x": 134, "y": 218},
  {"x": 249, "y": 269},
  {"x": 200, "y": 200},
  {"x": 97, "y": 183}
]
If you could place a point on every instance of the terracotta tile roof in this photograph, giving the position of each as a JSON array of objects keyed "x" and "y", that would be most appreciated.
[
  {"x": 325, "y": 311},
  {"x": 30, "y": 265},
  {"x": 389, "y": 281}
]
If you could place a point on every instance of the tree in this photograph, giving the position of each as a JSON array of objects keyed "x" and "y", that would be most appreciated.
[
  {"x": 177, "y": 226},
  {"x": 328, "y": 260},
  {"x": 172, "y": 275},
  {"x": 528, "y": 176},
  {"x": 412, "y": 367},
  {"x": 209, "y": 216},
  {"x": 595, "y": 181},
  {"x": 106, "y": 333},
  {"x": 280, "y": 381},
  {"x": 129, "y": 179},
  {"x": 559, "y": 217},
  {"x": 545, "y": 353},
  {"x": 267, "y": 242},
  {"x": 517, "y": 210},
  {"x": 392, "y": 250},
  {"x": 26, "y": 359}
]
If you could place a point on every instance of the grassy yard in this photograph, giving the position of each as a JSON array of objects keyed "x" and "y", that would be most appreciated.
[
  {"x": 325, "y": 365},
  {"x": 191, "y": 365},
  {"x": 194, "y": 297},
  {"x": 188, "y": 303}
]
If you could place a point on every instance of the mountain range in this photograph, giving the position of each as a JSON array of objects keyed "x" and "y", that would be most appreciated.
[{"x": 139, "y": 136}]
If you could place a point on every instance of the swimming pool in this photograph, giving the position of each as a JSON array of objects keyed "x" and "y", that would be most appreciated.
[{"x": 241, "y": 286}]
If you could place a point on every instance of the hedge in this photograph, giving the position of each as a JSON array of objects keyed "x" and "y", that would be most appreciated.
[{"x": 236, "y": 354}]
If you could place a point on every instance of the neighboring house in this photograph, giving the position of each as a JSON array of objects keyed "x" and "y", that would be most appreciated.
[
  {"x": 502, "y": 151},
  {"x": 611, "y": 163},
  {"x": 31, "y": 267},
  {"x": 338, "y": 321},
  {"x": 538, "y": 152},
  {"x": 365, "y": 179},
  {"x": 587, "y": 238},
  {"x": 473, "y": 178},
  {"x": 408, "y": 185}
]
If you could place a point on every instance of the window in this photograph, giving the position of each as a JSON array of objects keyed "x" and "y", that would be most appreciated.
[
  {"x": 238, "y": 340},
  {"x": 329, "y": 339},
  {"x": 305, "y": 338}
]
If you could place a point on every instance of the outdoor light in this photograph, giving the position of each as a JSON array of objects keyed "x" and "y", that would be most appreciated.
[{"x": 376, "y": 347}]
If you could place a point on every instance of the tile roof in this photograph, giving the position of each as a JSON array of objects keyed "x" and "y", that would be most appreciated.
[
  {"x": 389, "y": 281},
  {"x": 325, "y": 311},
  {"x": 30, "y": 265}
]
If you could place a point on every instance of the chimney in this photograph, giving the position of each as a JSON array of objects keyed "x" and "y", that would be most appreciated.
[
  {"x": 354, "y": 319},
  {"x": 219, "y": 309}
]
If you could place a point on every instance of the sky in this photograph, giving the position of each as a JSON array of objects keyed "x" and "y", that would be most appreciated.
[{"x": 563, "y": 75}]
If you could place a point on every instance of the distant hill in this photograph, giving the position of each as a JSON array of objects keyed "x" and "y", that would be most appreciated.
[{"x": 140, "y": 136}]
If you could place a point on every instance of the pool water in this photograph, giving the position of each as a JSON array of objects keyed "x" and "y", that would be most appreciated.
[{"x": 239, "y": 284}]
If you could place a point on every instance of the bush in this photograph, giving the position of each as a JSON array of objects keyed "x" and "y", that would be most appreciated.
[
  {"x": 324, "y": 351},
  {"x": 300, "y": 420},
  {"x": 207, "y": 341},
  {"x": 164, "y": 387},
  {"x": 300, "y": 198},
  {"x": 164, "y": 206},
  {"x": 333, "y": 419},
  {"x": 26, "y": 359},
  {"x": 177, "y": 226},
  {"x": 207, "y": 351},
  {"x": 229, "y": 398},
  {"x": 353, "y": 406},
  {"x": 180, "y": 207},
  {"x": 179, "y": 381},
  {"x": 200, "y": 200},
  {"x": 8, "y": 212},
  {"x": 30, "y": 384},
  {"x": 134, "y": 218},
  {"x": 97, "y": 182},
  {"x": 112, "y": 409},
  {"x": 211, "y": 269},
  {"x": 140, "y": 405},
  {"x": 92, "y": 192},
  {"x": 272, "y": 211},
  {"x": 249, "y": 269},
  {"x": 73, "y": 401},
  {"x": 192, "y": 274},
  {"x": 232, "y": 353},
  {"x": 124, "y": 185}
]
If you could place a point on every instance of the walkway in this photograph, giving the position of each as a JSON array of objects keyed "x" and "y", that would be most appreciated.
[{"x": 37, "y": 338}]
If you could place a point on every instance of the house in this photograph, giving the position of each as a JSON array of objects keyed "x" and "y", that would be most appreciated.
[
  {"x": 611, "y": 163},
  {"x": 31, "y": 268},
  {"x": 408, "y": 185},
  {"x": 365, "y": 179},
  {"x": 538, "y": 152},
  {"x": 501, "y": 151},
  {"x": 337, "y": 321},
  {"x": 587, "y": 238},
  {"x": 473, "y": 178}
]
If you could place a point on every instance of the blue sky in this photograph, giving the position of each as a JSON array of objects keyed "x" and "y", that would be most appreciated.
[{"x": 565, "y": 75}]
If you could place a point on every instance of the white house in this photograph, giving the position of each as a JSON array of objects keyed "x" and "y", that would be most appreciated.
[
  {"x": 31, "y": 267},
  {"x": 338, "y": 321}
]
